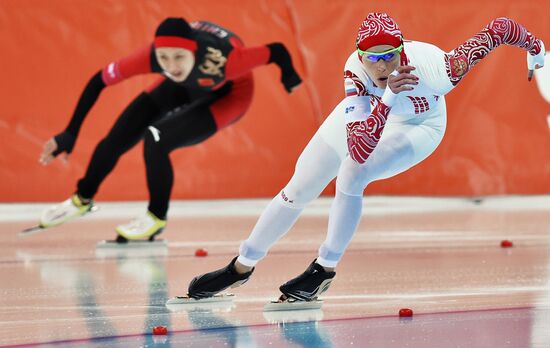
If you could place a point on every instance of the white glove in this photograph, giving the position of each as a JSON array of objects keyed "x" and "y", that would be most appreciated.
[{"x": 535, "y": 62}]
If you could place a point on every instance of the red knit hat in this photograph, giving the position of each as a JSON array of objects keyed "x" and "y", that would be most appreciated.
[
  {"x": 175, "y": 32},
  {"x": 378, "y": 29}
]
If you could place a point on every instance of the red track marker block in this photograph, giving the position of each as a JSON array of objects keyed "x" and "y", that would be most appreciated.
[
  {"x": 160, "y": 330},
  {"x": 405, "y": 313},
  {"x": 201, "y": 253},
  {"x": 506, "y": 244}
]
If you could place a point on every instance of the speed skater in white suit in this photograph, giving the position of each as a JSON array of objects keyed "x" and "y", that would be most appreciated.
[{"x": 392, "y": 118}]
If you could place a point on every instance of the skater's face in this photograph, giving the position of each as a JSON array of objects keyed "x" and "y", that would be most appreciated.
[
  {"x": 380, "y": 70},
  {"x": 176, "y": 62}
]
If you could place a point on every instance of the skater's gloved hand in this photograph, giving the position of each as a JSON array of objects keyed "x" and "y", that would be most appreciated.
[
  {"x": 535, "y": 62},
  {"x": 280, "y": 56},
  {"x": 63, "y": 142}
]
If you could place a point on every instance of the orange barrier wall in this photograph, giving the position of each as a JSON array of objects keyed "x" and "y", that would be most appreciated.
[{"x": 497, "y": 139}]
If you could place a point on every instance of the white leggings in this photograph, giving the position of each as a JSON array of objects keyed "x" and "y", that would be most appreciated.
[{"x": 402, "y": 145}]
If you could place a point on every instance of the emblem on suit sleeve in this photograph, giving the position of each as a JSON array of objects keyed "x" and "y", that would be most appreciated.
[
  {"x": 459, "y": 65},
  {"x": 214, "y": 61}
]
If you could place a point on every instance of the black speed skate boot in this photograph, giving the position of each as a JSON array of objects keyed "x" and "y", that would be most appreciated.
[
  {"x": 308, "y": 285},
  {"x": 209, "y": 284}
]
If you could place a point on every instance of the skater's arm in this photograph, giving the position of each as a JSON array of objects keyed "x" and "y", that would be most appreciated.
[
  {"x": 87, "y": 100},
  {"x": 242, "y": 60},
  {"x": 363, "y": 136},
  {"x": 353, "y": 86},
  {"x": 502, "y": 30},
  {"x": 115, "y": 72},
  {"x": 137, "y": 63},
  {"x": 64, "y": 141}
]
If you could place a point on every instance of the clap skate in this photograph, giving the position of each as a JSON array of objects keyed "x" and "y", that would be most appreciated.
[
  {"x": 207, "y": 288},
  {"x": 188, "y": 300},
  {"x": 56, "y": 215},
  {"x": 140, "y": 232},
  {"x": 303, "y": 291}
]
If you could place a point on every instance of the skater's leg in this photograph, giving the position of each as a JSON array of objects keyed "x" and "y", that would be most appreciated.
[
  {"x": 345, "y": 213},
  {"x": 316, "y": 167},
  {"x": 402, "y": 147},
  {"x": 162, "y": 97},
  {"x": 190, "y": 125},
  {"x": 399, "y": 149},
  {"x": 187, "y": 126},
  {"x": 126, "y": 132}
]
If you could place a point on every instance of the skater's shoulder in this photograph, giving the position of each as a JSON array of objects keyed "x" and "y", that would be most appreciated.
[
  {"x": 212, "y": 34},
  {"x": 420, "y": 46}
]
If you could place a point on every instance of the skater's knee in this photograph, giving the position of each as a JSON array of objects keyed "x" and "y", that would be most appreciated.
[
  {"x": 297, "y": 198},
  {"x": 152, "y": 141},
  {"x": 114, "y": 144},
  {"x": 353, "y": 178},
  {"x": 351, "y": 186}
]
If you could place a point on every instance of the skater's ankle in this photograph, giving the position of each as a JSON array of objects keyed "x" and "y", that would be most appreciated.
[
  {"x": 156, "y": 216},
  {"x": 240, "y": 268},
  {"x": 83, "y": 200},
  {"x": 327, "y": 269}
]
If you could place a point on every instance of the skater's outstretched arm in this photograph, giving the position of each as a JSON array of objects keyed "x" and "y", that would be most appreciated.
[
  {"x": 502, "y": 30},
  {"x": 242, "y": 60},
  {"x": 137, "y": 63}
]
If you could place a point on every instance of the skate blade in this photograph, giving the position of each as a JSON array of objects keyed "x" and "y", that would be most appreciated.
[
  {"x": 209, "y": 307},
  {"x": 132, "y": 244},
  {"x": 30, "y": 231},
  {"x": 219, "y": 301},
  {"x": 179, "y": 300},
  {"x": 295, "y": 305}
]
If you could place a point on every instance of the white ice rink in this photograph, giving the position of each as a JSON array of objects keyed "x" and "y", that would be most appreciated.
[{"x": 440, "y": 257}]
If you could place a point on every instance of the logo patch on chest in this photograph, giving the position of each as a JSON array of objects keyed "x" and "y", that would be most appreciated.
[{"x": 213, "y": 62}]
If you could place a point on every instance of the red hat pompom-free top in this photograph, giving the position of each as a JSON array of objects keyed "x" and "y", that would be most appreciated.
[
  {"x": 378, "y": 29},
  {"x": 175, "y": 32}
]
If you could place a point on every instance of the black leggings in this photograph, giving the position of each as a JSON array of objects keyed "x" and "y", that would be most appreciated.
[{"x": 167, "y": 118}]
